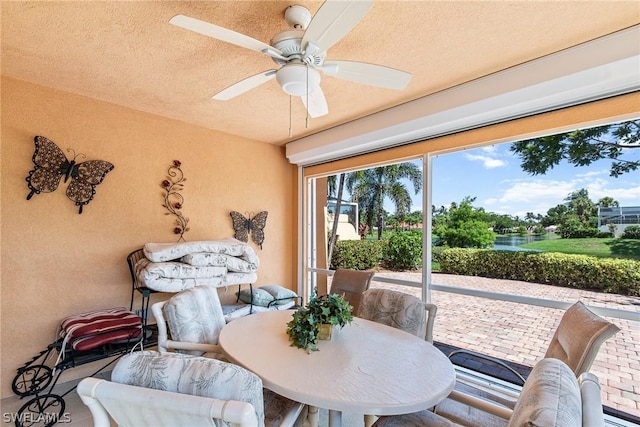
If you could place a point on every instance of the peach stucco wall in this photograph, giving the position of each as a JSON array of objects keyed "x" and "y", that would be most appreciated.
[{"x": 55, "y": 263}]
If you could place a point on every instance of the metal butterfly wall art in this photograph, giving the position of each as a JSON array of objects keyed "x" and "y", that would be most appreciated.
[
  {"x": 51, "y": 164},
  {"x": 242, "y": 226}
]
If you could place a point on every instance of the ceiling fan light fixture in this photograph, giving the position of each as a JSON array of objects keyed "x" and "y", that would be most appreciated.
[{"x": 297, "y": 79}]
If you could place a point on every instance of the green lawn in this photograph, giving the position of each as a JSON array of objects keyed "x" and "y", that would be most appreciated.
[{"x": 603, "y": 248}]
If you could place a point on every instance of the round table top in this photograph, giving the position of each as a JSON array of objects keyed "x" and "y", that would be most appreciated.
[{"x": 366, "y": 368}]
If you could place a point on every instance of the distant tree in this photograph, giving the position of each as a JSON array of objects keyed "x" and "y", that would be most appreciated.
[
  {"x": 370, "y": 187},
  {"x": 465, "y": 227},
  {"x": 608, "y": 202},
  {"x": 581, "y": 148},
  {"x": 502, "y": 223},
  {"x": 555, "y": 215},
  {"x": 414, "y": 218},
  {"x": 581, "y": 205}
]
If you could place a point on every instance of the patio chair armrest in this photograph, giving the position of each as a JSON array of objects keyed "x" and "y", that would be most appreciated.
[
  {"x": 592, "y": 414},
  {"x": 193, "y": 346},
  {"x": 481, "y": 404}
]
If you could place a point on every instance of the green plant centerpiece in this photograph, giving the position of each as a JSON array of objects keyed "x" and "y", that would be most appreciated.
[{"x": 304, "y": 329}]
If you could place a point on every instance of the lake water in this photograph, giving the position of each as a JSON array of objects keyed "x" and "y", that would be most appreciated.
[{"x": 512, "y": 243}]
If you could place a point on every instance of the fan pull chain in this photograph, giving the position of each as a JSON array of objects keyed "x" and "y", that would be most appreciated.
[{"x": 306, "y": 122}]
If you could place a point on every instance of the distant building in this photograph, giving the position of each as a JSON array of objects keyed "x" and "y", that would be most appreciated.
[{"x": 622, "y": 217}]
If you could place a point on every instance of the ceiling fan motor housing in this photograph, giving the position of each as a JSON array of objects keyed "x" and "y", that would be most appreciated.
[
  {"x": 288, "y": 42},
  {"x": 298, "y": 79}
]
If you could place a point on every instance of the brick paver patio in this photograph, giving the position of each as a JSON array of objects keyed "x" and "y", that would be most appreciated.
[{"x": 521, "y": 333}]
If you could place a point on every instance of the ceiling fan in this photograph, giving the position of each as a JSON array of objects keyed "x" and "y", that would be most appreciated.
[{"x": 301, "y": 53}]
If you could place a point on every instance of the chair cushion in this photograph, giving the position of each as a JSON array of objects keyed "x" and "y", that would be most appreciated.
[
  {"x": 549, "y": 398},
  {"x": 281, "y": 295},
  {"x": 86, "y": 331},
  {"x": 256, "y": 296},
  {"x": 578, "y": 338},
  {"x": 99, "y": 321},
  {"x": 195, "y": 315},
  {"x": 192, "y": 375},
  {"x": 396, "y": 309},
  {"x": 120, "y": 336},
  {"x": 277, "y": 409}
]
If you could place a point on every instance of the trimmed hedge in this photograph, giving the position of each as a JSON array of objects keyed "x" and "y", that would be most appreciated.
[
  {"x": 620, "y": 276},
  {"x": 404, "y": 251},
  {"x": 357, "y": 254}
]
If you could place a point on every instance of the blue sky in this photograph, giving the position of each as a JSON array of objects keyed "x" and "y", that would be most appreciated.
[{"x": 493, "y": 175}]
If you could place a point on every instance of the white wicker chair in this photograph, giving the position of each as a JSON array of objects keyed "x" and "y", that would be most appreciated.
[
  {"x": 172, "y": 389},
  {"x": 194, "y": 318},
  {"x": 551, "y": 397},
  {"x": 576, "y": 342}
]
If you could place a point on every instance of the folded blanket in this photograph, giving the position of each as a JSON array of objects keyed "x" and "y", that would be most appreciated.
[
  {"x": 148, "y": 270},
  {"x": 163, "y": 284},
  {"x": 161, "y": 252},
  {"x": 208, "y": 259}
]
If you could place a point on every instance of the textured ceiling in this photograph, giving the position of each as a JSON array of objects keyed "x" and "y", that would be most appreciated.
[{"x": 126, "y": 53}]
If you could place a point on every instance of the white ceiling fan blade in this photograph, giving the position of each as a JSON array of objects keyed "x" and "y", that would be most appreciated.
[
  {"x": 244, "y": 85},
  {"x": 333, "y": 21},
  {"x": 368, "y": 74},
  {"x": 224, "y": 34},
  {"x": 316, "y": 104}
]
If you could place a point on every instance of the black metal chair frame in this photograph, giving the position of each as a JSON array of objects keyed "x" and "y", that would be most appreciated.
[
  {"x": 38, "y": 377},
  {"x": 136, "y": 286}
]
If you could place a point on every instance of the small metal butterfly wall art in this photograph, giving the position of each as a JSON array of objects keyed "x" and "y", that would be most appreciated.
[
  {"x": 253, "y": 224},
  {"x": 51, "y": 164}
]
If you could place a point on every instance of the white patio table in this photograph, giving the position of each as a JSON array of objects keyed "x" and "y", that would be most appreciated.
[{"x": 367, "y": 368}]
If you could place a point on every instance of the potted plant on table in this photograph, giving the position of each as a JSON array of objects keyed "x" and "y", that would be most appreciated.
[{"x": 317, "y": 320}]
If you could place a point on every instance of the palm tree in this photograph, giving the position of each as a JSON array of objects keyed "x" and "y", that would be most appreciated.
[{"x": 370, "y": 187}]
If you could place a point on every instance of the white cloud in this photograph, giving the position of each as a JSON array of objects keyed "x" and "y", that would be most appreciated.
[
  {"x": 517, "y": 197},
  {"x": 490, "y": 149},
  {"x": 487, "y": 162},
  {"x": 592, "y": 173},
  {"x": 535, "y": 196}
]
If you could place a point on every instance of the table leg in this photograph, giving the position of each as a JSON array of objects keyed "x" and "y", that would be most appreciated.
[
  {"x": 368, "y": 420},
  {"x": 312, "y": 416},
  {"x": 335, "y": 418}
]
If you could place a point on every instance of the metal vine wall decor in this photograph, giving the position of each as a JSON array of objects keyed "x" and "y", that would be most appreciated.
[
  {"x": 51, "y": 164},
  {"x": 255, "y": 225},
  {"x": 173, "y": 200}
]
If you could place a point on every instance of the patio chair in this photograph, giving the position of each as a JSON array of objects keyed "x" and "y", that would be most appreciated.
[
  {"x": 551, "y": 397},
  {"x": 194, "y": 318},
  {"x": 171, "y": 389},
  {"x": 399, "y": 310},
  {"x": 351, "y": 284},
  {"x": 576, "y": 342}
]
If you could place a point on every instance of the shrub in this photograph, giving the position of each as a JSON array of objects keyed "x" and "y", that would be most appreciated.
[
  {"x": 404, "y": 251},
  {"x": 604, "y": 235},
  {"x": 631, "y": 232},
  {"x": 620, "y": 276},
  {"x": 575, "y": 229},
  {"x": 467, "y": 234},
  {"x": 357, "y": 254}
]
